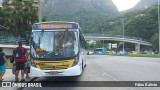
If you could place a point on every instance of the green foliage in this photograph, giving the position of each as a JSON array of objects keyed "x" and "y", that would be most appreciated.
[
  {"x": 18, "y": 15},
  {"x": 145, "y": 55},
  {"x": 92, "y": 15},
  {"x": 155, "y": 41},
  {"x": 90, "y": 46},
  {"x": 90, "y": 22},
  {"x": 140, "y": 55},
  {"x": 140, "y": 24},
  {"x": 93, "y": 18},
  {"x": 143, "y": 25},
  {"x": 99, "y": 44},
  {"x": 8, "y": 64},
  {"x": 44, "y": 19}
]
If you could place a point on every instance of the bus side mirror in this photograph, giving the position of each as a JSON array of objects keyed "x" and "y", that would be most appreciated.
[{"x": 31, "y": 39}]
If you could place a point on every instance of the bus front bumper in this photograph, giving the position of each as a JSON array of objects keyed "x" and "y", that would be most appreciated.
[{"x": 73, "y": 71}]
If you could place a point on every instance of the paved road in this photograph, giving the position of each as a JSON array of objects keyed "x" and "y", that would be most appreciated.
[{"x": 114, "y": 68}]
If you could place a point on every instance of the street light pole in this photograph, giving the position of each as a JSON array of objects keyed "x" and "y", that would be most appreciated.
[
  {"x": 123, "y": 33},
  {"x": 40, "y": 15},
  {"x": 103, "y": 40},
  {"x": 159, "y": 25}
]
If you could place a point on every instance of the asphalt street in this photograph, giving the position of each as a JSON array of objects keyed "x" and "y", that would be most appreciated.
[
  {"x": 113, "y": 68},
  {"x": 119, "y": 68}
]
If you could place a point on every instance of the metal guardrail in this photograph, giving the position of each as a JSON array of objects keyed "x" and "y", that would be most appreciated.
[{"x": 12, "y": 40}]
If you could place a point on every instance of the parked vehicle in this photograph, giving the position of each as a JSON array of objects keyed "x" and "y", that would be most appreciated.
[
  {"x": 90, "y": 53},
  {"x": 100, "y": 51},
  {"x": 121, "y": 52}
]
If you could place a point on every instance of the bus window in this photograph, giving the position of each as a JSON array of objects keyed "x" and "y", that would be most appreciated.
[{"x": 55, "y": 44}]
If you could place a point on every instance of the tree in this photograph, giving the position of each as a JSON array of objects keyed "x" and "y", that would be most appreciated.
[
  {"x": 90, "y": 45},
  {"x": 143, "y": 25},
  {"x": 155, "y": 41},
  {"x": 19, "y": 15}
]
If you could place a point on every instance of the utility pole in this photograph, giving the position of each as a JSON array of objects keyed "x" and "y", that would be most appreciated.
[
  {"x": 39, "y": 11},
  {"x": 123, "y": 33},
  {"x": 159, "y": 25},
  {"x": 103, "y": 40}
]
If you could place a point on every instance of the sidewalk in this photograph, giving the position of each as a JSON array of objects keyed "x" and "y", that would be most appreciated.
[{"x": 8, "y": 76}]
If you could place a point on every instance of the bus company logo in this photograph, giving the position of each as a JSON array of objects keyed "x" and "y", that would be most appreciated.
[
  {"x": 6, "y": 84},
  {"x": 42, "y": 64},
  {"x": 54, "y": 67}
]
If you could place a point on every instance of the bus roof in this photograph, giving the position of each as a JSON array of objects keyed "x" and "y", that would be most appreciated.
[{"x": 55, "y": 22}]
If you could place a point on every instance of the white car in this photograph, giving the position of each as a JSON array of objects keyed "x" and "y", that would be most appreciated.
[{"x": 90, "y": 52}]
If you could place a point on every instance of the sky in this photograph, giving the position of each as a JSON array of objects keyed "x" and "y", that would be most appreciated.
[
  {"x": 0, "y": 2},
  {"x": 125, "y": 4},
  {"x": 121, "y": 4}
]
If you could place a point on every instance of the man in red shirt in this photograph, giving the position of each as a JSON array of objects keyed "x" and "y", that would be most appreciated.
[{"x": 20, "y": 59}]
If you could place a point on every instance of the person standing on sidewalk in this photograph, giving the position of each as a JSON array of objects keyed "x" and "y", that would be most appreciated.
[
  {"x": 2, "y": 64},
  {"x": 20, "y": 59},
  {"x": 19, "y": 38},
  {"x": 28, "y": 64},
  {"x": 27, "y": 37}
]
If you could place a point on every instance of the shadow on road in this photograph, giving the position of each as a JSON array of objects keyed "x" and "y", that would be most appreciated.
[{"x": 73, "y": 78}]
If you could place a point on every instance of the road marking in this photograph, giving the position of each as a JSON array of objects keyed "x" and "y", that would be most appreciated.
[
  {"x": 103, "y": 73},
  {"x": 131, "y": 88}
]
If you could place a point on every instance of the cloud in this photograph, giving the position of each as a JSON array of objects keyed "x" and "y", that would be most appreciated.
[{"x": 125, "y": 4}]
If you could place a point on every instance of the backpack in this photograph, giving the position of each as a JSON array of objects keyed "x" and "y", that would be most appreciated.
[
  {"x": 18, "y": 53},
  {"x": 11, "y": 59}
]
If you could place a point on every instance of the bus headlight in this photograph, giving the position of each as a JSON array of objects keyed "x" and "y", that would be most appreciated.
[{"x": 75, "y": 61}]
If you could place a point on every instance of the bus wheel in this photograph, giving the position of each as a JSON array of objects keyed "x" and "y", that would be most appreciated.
[
  {"x": 85, "y": 65},
  {"x": 82, "y": 65}
]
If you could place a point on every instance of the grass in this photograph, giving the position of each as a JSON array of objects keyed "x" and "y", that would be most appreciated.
[
  {"x": 145, "y": 55},
  {"x": 141, "y": 55},
  {"x": 8, "y": 64}
]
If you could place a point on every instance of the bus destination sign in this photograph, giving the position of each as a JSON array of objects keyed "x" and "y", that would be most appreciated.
[{"x": 49, "y": 26}]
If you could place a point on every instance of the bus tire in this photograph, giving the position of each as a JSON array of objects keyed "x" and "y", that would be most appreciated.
[
  {"x": 85, "y": 65},
  {"x": 82, "y": 65}
]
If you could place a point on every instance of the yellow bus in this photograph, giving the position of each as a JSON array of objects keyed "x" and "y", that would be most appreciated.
[{"x": 57, "y": 49}]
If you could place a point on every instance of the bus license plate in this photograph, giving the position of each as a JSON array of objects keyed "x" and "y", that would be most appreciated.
[{"x": 53, "y": 72}]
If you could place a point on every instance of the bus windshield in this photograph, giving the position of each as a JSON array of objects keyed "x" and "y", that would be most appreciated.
[{"x": 54, "y": 44}]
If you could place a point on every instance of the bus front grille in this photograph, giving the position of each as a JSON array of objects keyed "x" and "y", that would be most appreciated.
[{"x": 54, "y": 65}]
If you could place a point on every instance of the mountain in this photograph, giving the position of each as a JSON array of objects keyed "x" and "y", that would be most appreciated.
[
  {"x": 85, "y": 12},
  {"x": 144, "y": 4},
  {"x": 68, "y": 7}
]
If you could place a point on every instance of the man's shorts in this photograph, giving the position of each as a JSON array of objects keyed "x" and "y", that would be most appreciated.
[
  {"x": 20, "y": 65},
  {"x": 3, "y": 68}
]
